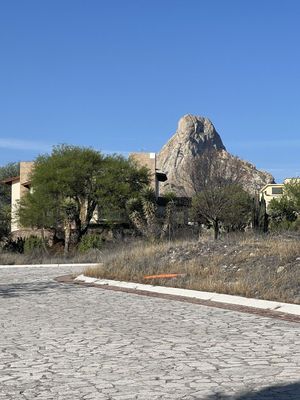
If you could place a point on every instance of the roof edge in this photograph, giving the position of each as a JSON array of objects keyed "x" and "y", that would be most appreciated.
[{"x": 9, "y": 181}]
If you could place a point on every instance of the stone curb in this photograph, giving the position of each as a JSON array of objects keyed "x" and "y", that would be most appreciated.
[
  {"x": 274, "y": 307},
  {"x": 50, "y": 265}
]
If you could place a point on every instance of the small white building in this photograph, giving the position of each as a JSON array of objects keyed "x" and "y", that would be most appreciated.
[{"x": 274, "y": 190}]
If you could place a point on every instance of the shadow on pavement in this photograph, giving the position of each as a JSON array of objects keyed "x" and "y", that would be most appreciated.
[
  {"x": 29, "y": 288},
  {"x": 276, "y": 392}
]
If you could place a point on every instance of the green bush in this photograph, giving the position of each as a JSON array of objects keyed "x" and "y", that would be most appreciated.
[
  {"x": 89, "y": 242},
  {"x": 285, "y": 225},
  {"x": 33, "y": 244}
]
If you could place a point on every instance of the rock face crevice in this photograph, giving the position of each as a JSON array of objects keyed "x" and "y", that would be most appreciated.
[{"x": 194, "y": 136}]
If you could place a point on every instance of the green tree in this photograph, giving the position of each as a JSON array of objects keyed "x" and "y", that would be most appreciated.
[
  {"x": 237, "y": 215},
  {"x": 72, "y": 182},
  {"x": 227, "y": 206},
  {"x": 40, "y": 210},
  {"x": 123, "y": 179},
  {"x": 292, "y": 192},
  {"x": 219, "y": 200},
  {"x": 282, "y": 210}
]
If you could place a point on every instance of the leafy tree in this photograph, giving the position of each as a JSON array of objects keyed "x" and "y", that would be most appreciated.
[
  {"x": 228, "y": 206},
  {"x": 219, "y": 199},
  {"x": 292, "y": 192},
  {"x": 123, "y": 179},
  {"x": 237, "y": 216},
  {"x": 282, "y": 210},
  {"x": 72, "y": 182},
  {"x": 7, "y": 171}
]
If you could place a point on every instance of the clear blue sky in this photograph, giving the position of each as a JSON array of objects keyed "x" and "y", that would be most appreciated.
[{"x": 118, "y": 74}]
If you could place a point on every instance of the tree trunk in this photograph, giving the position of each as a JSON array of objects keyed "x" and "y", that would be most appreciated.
[
  {"x": 199, "y": 232},
  {"x": 216, "y": 229},
  {"x": 76, "y": 236},
  {"x": 67, "y": 237},
  {"x": 44, "y": 241}
]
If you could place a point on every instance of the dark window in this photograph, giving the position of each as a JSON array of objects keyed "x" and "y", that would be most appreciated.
[{"x": 277, "y": 190}]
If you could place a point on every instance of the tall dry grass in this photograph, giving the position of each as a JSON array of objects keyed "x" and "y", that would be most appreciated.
[{"x": 246, "y": 265}]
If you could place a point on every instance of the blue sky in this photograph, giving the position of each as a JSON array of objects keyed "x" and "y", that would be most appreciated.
[{"x": 118, "y": 74}]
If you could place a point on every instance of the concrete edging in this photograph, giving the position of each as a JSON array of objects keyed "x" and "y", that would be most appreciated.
[
  {"x": 273, "y": 306},
  {"x": 50, "y": 265}
]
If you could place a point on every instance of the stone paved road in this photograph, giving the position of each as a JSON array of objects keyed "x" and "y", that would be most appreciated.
[{"x": 67, "y": 342}]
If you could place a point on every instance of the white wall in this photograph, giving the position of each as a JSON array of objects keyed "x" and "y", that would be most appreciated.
[{"x": 15, "y": 197}]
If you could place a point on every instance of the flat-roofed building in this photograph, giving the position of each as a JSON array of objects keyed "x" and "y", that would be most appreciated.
[{"x": 275, "y": 190}]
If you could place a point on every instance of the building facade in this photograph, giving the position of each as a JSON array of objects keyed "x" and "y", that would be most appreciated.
[
  {"x": 149, "y": 160},
  {"x": 274, "y": 190}
]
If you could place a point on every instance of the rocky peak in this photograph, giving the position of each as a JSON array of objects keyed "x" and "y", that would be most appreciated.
[
  {"x": 195, "y": 135},
  {"x": 199, "y": 130}
]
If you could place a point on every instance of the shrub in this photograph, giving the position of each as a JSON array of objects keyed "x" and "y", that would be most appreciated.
[
  {"x": 14, "y": 246},
  {"x": 281, "y": 210},
  {"x": 285, "y": 225},
  {"x": 34, "y": 244},
  {"x": 296, "y": 224},
  {"x": 89, "y": 242},
  {"x": 146, "y": 221}
]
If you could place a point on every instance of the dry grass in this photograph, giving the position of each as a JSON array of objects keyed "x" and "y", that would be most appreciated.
[
  {"x": 39, "y": 257},
  {"x": 133, "y": 263},
  {"x": 260, "y": 267}
]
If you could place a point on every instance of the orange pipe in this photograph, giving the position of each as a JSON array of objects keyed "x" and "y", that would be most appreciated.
[{"x": 163, "y": 276}]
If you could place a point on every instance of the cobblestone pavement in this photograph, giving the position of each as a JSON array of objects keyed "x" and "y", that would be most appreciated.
[{"x": 60, "y": 341}]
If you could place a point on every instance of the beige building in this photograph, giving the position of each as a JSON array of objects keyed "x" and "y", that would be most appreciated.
[
  {"x": 271, "y": 191},
  {"x": 20, "y": 185},
  {"x": 149, "y": 160},
  {"x": 274, "y": 190}
]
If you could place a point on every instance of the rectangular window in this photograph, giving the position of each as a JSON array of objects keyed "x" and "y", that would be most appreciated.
[{"x": 277, "y": 190}]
